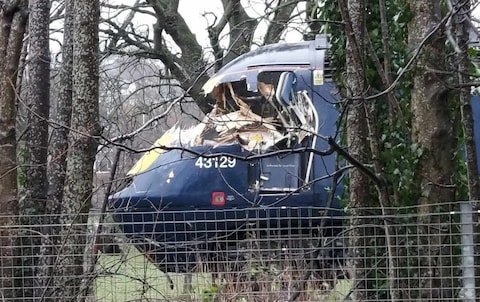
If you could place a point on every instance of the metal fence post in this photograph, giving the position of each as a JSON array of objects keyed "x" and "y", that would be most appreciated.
[{"x": 468, "y": 259}]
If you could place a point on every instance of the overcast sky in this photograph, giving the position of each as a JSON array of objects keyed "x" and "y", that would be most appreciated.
[
  {"x": 198, "y": 16},
  {"x": 193, "y": 11}
]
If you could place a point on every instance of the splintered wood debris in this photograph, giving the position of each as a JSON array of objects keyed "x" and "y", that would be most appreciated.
[{"x": 254, "y": 132}]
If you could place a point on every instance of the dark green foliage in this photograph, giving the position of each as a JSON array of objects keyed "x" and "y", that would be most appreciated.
[{"x": 399, "y": 156}]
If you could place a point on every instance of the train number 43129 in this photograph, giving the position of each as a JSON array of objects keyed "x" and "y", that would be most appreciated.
[{"x": 220, "y": 162}]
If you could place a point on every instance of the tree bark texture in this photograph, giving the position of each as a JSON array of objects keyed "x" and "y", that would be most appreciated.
[
  {"x": 280, "y": 20},
  {"x": 82, "y": 146},
  {"x": 353, "y": 15},
  {"x": 57, "y": 151},
  {"x": 188, "y": 69},
  {"x": 432, "y": 130},
  {"x": 13, "y": 18},
  {"x": 242, "y": 28},
  {"x": 461, "y": 29},
  {"x": 32, "y": 203}
]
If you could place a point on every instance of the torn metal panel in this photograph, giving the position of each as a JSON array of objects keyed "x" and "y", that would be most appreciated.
[
  {"x": 257, "y": 120},
  {"x": 275, "y": 116}
]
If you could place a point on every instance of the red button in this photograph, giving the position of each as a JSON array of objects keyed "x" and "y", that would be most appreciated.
[{"x": 218, "y": 199}]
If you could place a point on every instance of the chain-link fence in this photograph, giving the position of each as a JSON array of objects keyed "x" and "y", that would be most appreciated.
[{"x": 394, "y": 254}]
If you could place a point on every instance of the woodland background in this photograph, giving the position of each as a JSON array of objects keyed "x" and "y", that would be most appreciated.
[{"x": 80, "y": 80}]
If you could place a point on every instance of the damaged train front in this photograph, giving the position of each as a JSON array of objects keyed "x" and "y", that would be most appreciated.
[{"x": 249, "y": 159}]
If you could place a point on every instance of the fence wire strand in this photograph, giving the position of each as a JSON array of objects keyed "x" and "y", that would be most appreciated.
[{"x": 276, "y": 256}]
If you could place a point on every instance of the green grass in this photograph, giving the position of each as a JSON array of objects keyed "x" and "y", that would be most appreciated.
[
  {"x": 340, "y": 292},
  {"x": 131, "y": 277}
]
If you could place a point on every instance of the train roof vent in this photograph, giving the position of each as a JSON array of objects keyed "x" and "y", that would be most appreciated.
[
  {"x": 322, "y": 42},
  {"x": 328, "y": 68}
]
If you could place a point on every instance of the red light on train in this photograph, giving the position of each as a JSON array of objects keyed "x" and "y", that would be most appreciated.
[{"x": 218, "y": 199}]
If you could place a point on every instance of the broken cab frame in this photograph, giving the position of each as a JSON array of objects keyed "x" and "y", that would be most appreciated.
[{"x": 258, "y": 157}]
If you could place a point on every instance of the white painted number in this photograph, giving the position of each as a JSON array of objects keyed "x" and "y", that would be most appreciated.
[{"x": 222, "y": 162}]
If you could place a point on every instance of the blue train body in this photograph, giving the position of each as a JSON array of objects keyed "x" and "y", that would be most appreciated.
[{"x": 260, "y": 157}]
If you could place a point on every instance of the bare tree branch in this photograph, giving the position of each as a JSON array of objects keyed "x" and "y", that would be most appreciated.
[
  {"x": 124, "y": 25},
  {"x": 281, "y": 16}
]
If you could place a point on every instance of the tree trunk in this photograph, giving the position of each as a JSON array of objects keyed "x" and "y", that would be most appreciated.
[
  {"x": 32, "y": 203},
  {"x": 432, "y": 129},
  {"x": 13, "y": 18},
  {"x": 57, "y": 165},
  {"x": 82, "y": 146},
  {"x": 190, "y": 67},
  {"x": 242, "y": 28},
  {"x": 461, "y": 29},
  {"x": 280, "y": 20},
  {"x": 353, "y": 15}
]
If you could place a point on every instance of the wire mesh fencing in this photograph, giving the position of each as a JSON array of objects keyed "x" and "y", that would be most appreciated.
[{"x": 256, "y": 254}]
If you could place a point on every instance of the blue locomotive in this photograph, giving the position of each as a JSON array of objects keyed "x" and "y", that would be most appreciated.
[{"x": 259, "y": 160}]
